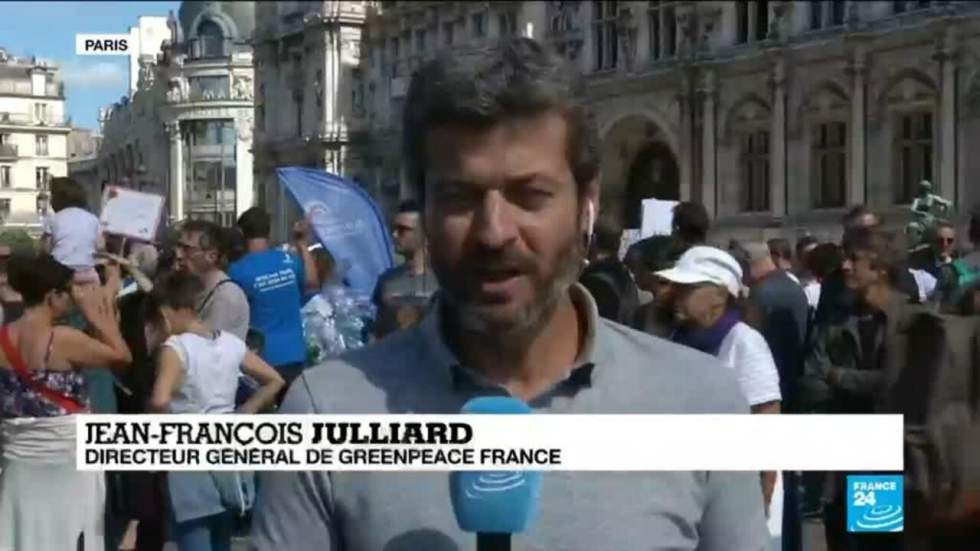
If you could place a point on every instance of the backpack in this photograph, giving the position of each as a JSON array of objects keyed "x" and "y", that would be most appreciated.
[
  {"x": 938, "y": 391},
  {"x": 613, "y": 300}
]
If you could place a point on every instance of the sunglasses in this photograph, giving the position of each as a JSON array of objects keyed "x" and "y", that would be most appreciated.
[{"x": 947, "y": 240}]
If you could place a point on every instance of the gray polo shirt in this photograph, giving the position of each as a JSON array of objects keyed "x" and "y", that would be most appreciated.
[{"x": 619, "y": 371}]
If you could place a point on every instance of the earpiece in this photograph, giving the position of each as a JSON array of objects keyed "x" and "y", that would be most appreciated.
[{"x": 590, "y": 224}]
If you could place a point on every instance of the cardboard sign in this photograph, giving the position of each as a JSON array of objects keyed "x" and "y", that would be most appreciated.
[
  {"x": 133, "y": 214},
  {"x": 658, "y": 217}
]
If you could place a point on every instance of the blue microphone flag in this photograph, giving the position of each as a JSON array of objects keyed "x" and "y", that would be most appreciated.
[{"x": 495, "y": 502}]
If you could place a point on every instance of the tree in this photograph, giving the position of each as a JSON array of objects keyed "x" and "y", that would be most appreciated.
[{"x": 17, "y": 240}]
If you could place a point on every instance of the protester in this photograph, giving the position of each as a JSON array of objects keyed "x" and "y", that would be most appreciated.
[
  {"x": 403, "y": 292},
  {"x": 137, "y": 497},
  {"x": 836, "y": 300},
  {"x": 198, "y": 373},
  {"x": 654, "y": 254},
  {"x": 72, "y": 234},
  {"x": 275, "y": 283},
  {"x": 45, "y": 503},
  {"x": 846, "y": 371},
  {"x": 201, "y": 251},
  {"x": 783, "y": 306},
  {"x": 606, "y": 277},
  {"x": 785, "y": 313},
  {"x": 805, "y": 275},
  {"x": 505, "y": 158},
  {"x": 691, "y": 223},
  {"x": 708, "y": 285},
  {"x": 782, "y": 257},
  {"x": 946, "y": 245}
]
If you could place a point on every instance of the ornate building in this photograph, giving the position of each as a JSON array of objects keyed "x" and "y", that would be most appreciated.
[
  {"x": 187, "y": 131},
  {"x": 308, "y": 107},
  {"x": 776, "y": 115},
  {"x": 33, "y": 138}
]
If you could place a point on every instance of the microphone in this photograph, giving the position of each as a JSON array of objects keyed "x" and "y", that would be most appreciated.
[{"x": 499, "y": 503}]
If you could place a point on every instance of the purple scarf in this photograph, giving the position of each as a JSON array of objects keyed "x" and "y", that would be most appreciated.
[{"x": 708, "y": 340}]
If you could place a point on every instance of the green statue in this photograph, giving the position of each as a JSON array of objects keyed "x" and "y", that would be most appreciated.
[{"x": 928, "y": 209}]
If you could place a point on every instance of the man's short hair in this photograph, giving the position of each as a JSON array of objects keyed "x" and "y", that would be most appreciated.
[
  {"x": 824, "y": 260},
  {"x": 255, "y": 223},
  {"x": 410, "y": 206},
  {"x": 856, "y": 213},
  {"x": 212, "y": 235},
  {"x": 889, "y": 250},
  {"x": 691, "y": 222},
  {"x": 779, "y": 247},
  {"x": 518, "y": 78},
  {"x": 608, "y": 236},
  {"x": 803, "y": 243},
  {"x": 656, "y": 253}
]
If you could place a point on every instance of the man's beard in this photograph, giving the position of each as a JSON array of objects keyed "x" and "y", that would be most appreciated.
[{"x": 533, "y": 315}]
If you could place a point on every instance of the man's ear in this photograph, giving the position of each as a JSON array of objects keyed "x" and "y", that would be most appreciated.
[{"x": 589, "y": 207}]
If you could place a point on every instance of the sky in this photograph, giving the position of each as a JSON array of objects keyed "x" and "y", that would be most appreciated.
[{"x": 47, "y": 30}]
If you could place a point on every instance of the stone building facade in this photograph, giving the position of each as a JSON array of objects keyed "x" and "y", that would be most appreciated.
[
  {"x": 186, "y": 132},
  {"x": 776, "y": 115},
  {"x": 307, "y": 108},
  {"x": 33, "y": 138}
]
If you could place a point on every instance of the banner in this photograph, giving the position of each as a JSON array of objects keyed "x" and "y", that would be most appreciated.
[
  {"x": 481, "y": 442},
  {"x": 346, "y": 221}
]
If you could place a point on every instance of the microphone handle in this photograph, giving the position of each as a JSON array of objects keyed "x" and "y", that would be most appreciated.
[{"x": 492, "y": 541}]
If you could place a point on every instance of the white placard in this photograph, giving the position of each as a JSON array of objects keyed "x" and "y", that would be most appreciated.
[
  {"x": 538, "y": 442},
  {"x": 130, "y": 213},
  {"x": 658, "y": 217}
]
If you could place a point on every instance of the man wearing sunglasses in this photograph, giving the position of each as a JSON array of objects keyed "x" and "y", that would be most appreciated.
[{"x": 403, "y": 292}]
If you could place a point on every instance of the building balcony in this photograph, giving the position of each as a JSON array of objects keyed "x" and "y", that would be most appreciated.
[
  {"x": 25, "y": 119},
  {"x": 8, "y": 152}
]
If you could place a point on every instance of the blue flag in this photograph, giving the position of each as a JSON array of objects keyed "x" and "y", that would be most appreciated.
[{"x": 346, "y": 221}]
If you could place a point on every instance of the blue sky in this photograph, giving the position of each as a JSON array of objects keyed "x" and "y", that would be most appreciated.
[{"x": 47, "y": 30}]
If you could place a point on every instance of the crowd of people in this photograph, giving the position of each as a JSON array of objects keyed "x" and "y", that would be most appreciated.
[
  {"x": 208, "y": 321},
  {"x": 510, "y": 285}
]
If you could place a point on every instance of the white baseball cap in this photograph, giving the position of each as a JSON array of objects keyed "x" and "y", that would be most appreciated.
[{"x": 706, "y": 265}]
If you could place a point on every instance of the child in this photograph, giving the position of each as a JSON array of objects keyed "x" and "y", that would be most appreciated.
[
  {"x": 72, "y": 234},
  {"x": 198, "y": 373}
]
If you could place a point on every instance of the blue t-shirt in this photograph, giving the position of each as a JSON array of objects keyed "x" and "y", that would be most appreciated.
[{"x": 274, "y": 283}]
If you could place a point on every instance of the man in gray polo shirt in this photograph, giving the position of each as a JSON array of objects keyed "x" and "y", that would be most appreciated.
[{"x": 505, "y": 159}]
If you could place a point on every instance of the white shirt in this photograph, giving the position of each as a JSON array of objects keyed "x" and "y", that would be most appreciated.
[
  {"x": 745, "y": 350},
  {"x": 74, "y": 236},
  {"x": 926, "y": 283},
  {"x": 211, "y": 368},
  {"x": 812, "y": 292}
]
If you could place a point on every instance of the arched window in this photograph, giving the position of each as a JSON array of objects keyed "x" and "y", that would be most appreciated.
[{"x": 211, "y": 39}]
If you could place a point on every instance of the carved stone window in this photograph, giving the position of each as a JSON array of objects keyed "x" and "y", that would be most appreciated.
[
  {"x": 825, "y": 14},
  {"x": 663, "y": 29},
  {"x": 754, "y": 169},
  {"x": 751, "y": 21},
  {"x": 913, "y": 152},
  {"x": 605, "y": 34},
  {"x": 829, "y": 156}
]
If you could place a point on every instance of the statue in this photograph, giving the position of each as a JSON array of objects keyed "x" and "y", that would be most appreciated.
[
  {"x": 177, "y": 91},
  {"x": 243, "y": 88},
  {"x": 928, "y": 209}
]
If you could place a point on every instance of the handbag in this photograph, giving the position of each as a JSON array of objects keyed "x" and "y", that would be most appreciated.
[{"x": 236, "y": 490}]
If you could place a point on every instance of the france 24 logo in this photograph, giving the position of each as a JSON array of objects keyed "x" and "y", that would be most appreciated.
[{"x": 875, "y": 503}]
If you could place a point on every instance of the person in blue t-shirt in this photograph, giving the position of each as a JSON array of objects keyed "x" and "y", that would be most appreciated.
[{"x": 275, "y": 283}]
